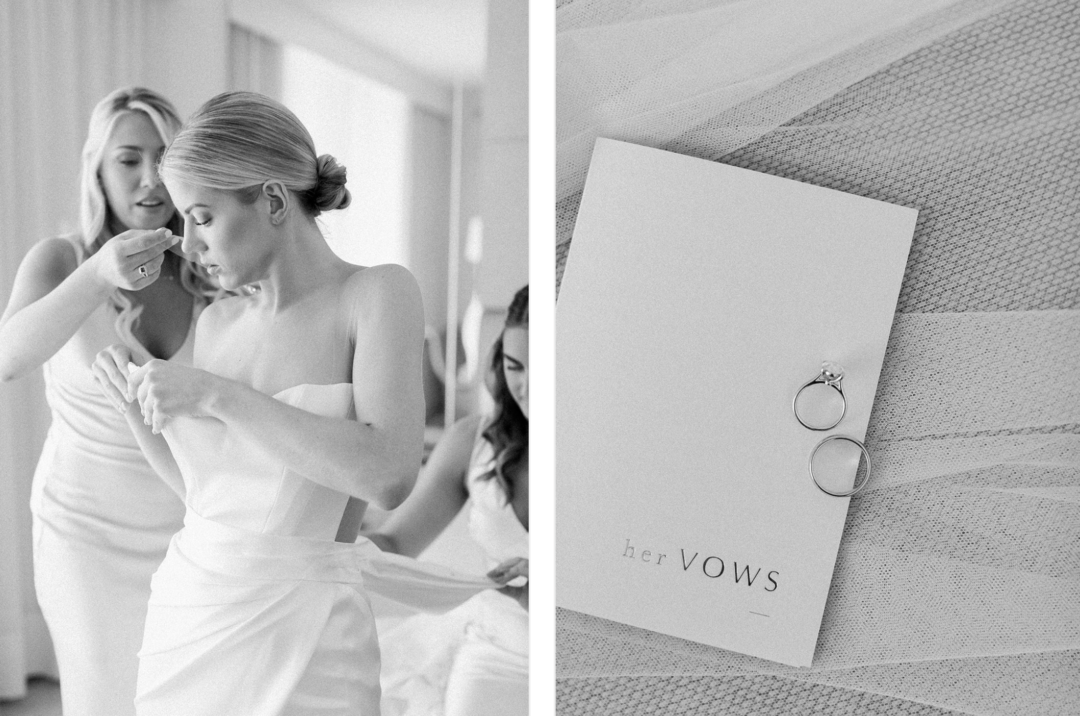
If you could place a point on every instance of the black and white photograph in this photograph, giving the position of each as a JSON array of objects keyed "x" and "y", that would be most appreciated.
[
  {"x": 264, "y": 357},
  {"x": 777, "y": 302},
  {"x": 817, "y": 353}
]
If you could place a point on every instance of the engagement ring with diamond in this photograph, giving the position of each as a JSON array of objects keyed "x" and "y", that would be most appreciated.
[{"x": 820, "y": 404}]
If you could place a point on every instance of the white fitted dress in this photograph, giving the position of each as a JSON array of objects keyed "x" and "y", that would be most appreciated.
[{"x": 102, "y": 520}]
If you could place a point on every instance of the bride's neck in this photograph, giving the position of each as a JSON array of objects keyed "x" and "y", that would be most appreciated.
[{"x": 302, "y": 263}]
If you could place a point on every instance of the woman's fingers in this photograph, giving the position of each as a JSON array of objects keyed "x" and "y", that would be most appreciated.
[
  {"x": 152, "y": 267},
  {"x": 108, "y": 386},
  {"x": 132, "y": 260},
  {"x": 136, "y": 376},
  {"x": 143, "y": 389},
  {"x": 157, "y": 420},
  {"x": 144, "y": 266},
  {"x": 145, "y": 245},
  {"x": 111, "y": 377},
  {"x": 139, "y": 389},
  {"x": 154, "y": 252},
  {"x": 510, "y": 570}
]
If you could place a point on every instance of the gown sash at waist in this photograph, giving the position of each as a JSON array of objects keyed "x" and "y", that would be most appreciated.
[
  {"x": 210, "y": 562},
  {"x": 248, "y": 623}
]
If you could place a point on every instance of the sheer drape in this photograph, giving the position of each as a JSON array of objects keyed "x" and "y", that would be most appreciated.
[{"x": 956, "y": 582}]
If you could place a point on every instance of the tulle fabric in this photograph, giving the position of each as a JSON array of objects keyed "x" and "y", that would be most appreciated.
[{"x": 957, "y": 583}]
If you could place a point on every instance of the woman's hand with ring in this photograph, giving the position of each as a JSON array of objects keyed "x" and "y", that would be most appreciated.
[{"x": 133, "y": 259}]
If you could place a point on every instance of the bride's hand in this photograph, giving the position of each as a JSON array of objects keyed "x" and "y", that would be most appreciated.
[
  {"x": 515, "y": 569},
  {"x": 110, "y": 369},
  {"x": 166, "y": 390}
]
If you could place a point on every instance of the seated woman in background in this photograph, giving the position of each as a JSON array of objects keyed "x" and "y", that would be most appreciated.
[
  {"x": 485, "y": 458},
  {"x": 102, "y": 519}
]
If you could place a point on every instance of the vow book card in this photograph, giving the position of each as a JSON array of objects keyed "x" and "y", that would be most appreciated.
[{"x": 696, "y": 300}]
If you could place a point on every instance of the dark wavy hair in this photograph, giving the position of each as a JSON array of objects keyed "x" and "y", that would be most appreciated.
[{"x": 508, "y": 430}]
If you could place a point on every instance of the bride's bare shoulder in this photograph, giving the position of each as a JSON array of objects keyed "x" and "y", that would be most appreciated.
[
  {"x": 381, "y": 290},
  {"x": 382, "y": 278},
  {"x": 220, "y": 314}
]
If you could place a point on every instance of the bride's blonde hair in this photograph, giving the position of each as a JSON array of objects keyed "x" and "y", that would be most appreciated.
[{"x": 238, "y": 140}]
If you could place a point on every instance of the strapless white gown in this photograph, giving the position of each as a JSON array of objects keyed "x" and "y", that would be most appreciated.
[
  {"x": 102, "y": 520},
  {"x": 255, "y": 609}
]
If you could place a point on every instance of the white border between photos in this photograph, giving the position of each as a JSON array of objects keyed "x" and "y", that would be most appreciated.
[{"x": 542, "y": 356}]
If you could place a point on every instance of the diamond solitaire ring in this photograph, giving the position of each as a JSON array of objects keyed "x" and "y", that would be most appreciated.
[{"x": 820, "y": 403}]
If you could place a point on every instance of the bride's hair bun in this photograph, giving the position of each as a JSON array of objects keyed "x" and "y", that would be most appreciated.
[
  {"x": 238, "y": 140},
  {"x": 329, "y": 192}
]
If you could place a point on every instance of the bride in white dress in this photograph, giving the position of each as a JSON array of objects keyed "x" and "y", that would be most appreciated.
[
  {"x": 483, "y": 461},
  {"x": 306, "y": 392}
]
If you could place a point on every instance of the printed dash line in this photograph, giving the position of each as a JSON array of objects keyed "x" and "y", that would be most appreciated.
[{"x": 759, "y": 614}]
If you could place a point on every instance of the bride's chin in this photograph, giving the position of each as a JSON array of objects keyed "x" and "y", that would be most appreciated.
[{"x": 228, "y": 282}]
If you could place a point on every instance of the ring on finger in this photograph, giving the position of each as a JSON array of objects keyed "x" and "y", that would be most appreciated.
[{"x": 143, "y": 271}]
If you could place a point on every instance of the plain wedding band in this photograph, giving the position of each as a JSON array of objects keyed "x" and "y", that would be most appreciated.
[{"x": 865, "y": 454}]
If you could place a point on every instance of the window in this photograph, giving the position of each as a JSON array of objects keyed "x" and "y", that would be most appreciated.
[{"x": 365, "y": 125}]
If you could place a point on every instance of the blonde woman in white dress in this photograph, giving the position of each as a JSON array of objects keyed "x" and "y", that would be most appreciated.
[
  {"x": 305, "y": 393},
  {"x": 101, "y": 518},
  {"x": 483, "y": 461}
]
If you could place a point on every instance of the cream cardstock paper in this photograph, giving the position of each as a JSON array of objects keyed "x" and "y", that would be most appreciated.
[{"x": 697, "y": 299}]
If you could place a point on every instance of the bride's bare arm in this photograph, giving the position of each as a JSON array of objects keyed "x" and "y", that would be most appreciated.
[
  {"x": 439, "y": 495},
  {"x": 375, "y": 457},
  {"x": 156, "y": 450},
  {"x": 110, "y": 368}
]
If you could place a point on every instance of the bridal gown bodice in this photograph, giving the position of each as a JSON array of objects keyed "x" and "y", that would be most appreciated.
[
  {"x": 234, "y": 481},
  {"x": 255, "y": 584}
]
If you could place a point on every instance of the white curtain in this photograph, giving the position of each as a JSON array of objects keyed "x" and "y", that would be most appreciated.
[
  {"x": 254, "y": 62},
  {"x": 57, "y": 59}
]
